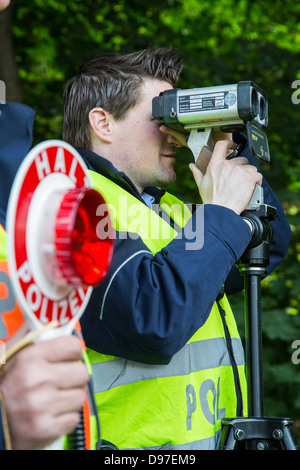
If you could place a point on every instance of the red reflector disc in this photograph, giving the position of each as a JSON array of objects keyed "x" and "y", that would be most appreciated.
[{"x": 83, "y": 251}]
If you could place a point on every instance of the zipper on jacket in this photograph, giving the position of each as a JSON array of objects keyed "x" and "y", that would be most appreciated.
[{"x": 239, "y": 405}]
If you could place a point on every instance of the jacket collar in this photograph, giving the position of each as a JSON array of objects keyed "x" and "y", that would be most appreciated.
[{"x": 104, "y": 167}]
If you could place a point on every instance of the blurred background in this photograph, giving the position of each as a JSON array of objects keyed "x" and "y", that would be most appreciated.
[{"x": 225, "y": 41}]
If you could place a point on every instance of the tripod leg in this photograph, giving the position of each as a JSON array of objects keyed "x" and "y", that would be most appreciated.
[
  {"x": 228, "y": 437},
  {"x": 288, "y": 441},
  {"x": 254, "y": 342},
  {"x": 229, "y": 442}
]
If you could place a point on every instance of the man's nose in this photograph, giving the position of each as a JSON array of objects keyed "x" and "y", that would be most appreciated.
[{"x": 173, "y": 141}]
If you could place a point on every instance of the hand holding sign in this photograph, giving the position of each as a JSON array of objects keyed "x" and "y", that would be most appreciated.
[{"x": 55, "y": 259}]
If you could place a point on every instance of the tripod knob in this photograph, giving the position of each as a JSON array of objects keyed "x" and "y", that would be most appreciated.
[
  {"x": 258, "y": 219},
  {"x": 258, "y": 251}
]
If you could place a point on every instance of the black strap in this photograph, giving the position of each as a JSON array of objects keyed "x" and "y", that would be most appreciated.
[{"x": 239, "y": 406}]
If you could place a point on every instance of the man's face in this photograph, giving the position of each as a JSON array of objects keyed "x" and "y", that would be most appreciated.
[{"x": 141, "y": 150}]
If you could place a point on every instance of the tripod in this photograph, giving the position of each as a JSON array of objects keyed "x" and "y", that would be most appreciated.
[{"x": 256, "y": 432}]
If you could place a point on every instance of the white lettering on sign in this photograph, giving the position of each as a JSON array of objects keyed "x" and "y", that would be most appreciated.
[
  {"x": 33, "y": 297},
  {"x": 24, "y": 272},
  {"x": 72, "y": 170},
  {"x": 43, "y": 165},
  {"x": 62, "y": 311},
  {"x": 60, "y": 164},
  {"x": 45, "y": 309},
  {"x": 43, "y": 313}
]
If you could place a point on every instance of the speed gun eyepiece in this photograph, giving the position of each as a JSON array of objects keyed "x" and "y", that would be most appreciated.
[{"x": 228, "y": 108}]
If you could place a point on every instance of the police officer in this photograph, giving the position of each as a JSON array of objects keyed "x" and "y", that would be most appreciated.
[{"x": 167, "y": 358}]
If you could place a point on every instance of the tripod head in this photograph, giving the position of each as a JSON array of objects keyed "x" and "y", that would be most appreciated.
[
  {"x": 257, "y": 253},
  {"x": 258, "y": 216}
]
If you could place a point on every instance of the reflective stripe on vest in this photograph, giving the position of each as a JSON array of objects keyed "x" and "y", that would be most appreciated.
[{"x": 175, "y": 406}]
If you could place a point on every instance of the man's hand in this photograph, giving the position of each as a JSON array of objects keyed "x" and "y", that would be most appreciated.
[
  {"x": 206, "y": 152},
  {"x": 228, "y": 183},
  {"x": 43, "y": 392}
]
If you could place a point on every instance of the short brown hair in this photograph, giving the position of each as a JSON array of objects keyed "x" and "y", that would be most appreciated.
[{"x": 113, "y": 81}]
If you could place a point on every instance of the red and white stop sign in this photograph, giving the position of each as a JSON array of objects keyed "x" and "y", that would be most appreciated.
[{"x": 51, "y": 170}]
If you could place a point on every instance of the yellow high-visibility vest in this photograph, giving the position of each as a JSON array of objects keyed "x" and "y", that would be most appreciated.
[{"x": 179, "y": 405}]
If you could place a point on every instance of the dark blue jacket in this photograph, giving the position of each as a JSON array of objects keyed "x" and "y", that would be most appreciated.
[
  {"x": 150, "y": 306},
  {"x": 16, "y": 127}
]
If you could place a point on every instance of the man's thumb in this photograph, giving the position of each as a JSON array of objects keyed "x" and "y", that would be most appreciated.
[{"x": 197, "y": 174}]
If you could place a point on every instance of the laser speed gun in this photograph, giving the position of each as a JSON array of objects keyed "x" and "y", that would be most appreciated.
[{"x": 229, "y": 108}]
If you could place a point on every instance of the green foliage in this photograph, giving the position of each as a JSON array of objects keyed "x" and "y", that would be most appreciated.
[{"x": 222, "y": 42}]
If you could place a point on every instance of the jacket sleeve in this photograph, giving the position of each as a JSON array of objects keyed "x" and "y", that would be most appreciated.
[
  {"x": 150, "y": 306},
  {"x": 281, "y": 229}
]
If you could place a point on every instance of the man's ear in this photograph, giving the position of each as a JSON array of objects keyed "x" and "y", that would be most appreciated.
[{"x": 100, "y": 122}]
